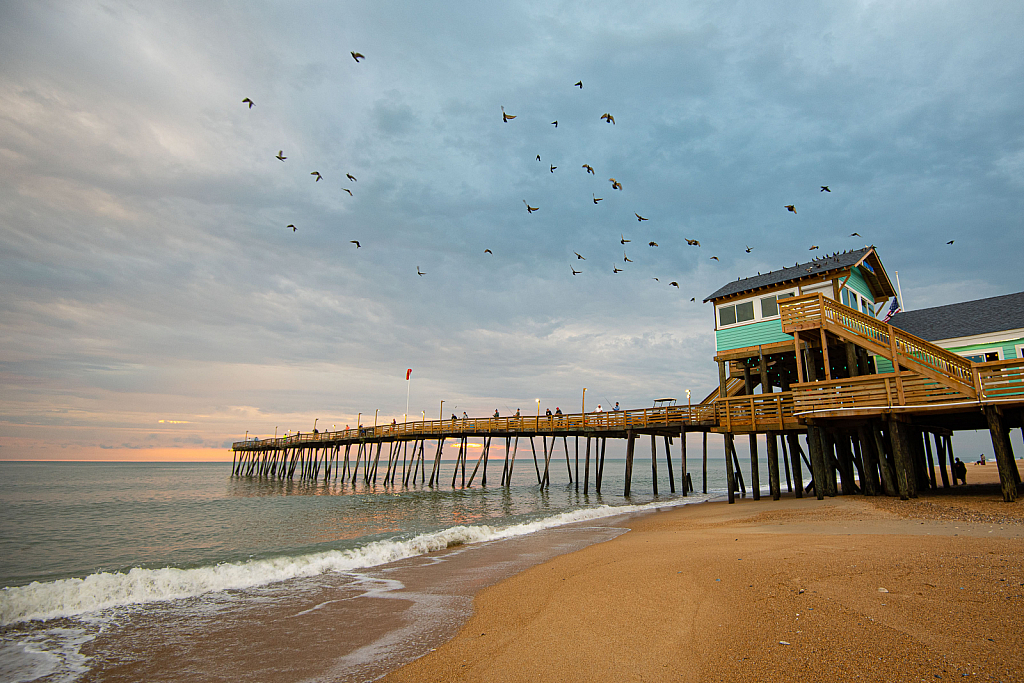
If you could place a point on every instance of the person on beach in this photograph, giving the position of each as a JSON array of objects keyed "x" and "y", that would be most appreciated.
[{"x": 960, "y": 472}]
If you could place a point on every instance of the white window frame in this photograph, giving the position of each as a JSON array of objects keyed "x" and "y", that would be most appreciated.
[
  {"x": 976, "y": 352},
  {"x": 1018, "y": 350},
  {"x": 756, "y": 301}
]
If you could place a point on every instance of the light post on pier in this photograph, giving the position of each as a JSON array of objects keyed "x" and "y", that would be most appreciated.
[
  {"x": 689, "y": 408},
  {"x": 246, "y": 434},
  {"x": 583, "y": 408},
  {"x": 375, "y": 421},
  {"x": 537, "y": 426},
  {"x": 440, "y": 413},
  {"x": 314, "y": 423}
]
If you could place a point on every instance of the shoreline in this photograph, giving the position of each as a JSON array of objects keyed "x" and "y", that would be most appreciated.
[{"x": 766, "y": 590}]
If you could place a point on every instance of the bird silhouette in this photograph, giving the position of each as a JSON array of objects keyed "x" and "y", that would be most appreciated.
[
  {"x": 488, "y": 251},
  {"x": 616, "y": 269},
  {"x": 715, "y": 258},
  {"x": 596, "y": 198},
  {"x": 652, "y": 244},
  {"x": 590, "y": 169},
  {"x": 608, "y": 118},
  {"x": 692, "y": 243},
  {"x": 318, "y": 176},
  {"x": 249, "y": 102},
  {"x": 356, "y": 242},
  {"x": 357, "y": 56},
  {"x": 950, "y": 242},
  {"x": 579, "y": 84},
  {"x": 555, "y": 123},
  {"x": 749, "y": 250},
  {"x": 622, "y": 239},
  {"x": 552, "y": 169},
  {"x": 693, "y": 298},
  {"x": 813, "y": 247},
  {"x": 854, "y": 234},
  {"x": 351, "y": 177},
  {"x": 280, "y": 155},
  {"x": 419, "y": 272},
  {"x": 616, "y": 185},
  {"x": 639, "y": 217},
  {"x": 538, "y": 157},
  {"x": 530, "y": 209},
  {"x": 349, "y": 191},
  {"x": 574, "y": 271},
  {"x": 824, "y": 188},
  {"x": 292, "y": 226},
  {"x": 579, "y": 257},
  {"x": 656, "y": 279},
  {"x": 791, "y": 207},
  {"x": 626, "y": 258},
  {"x": 674, "y": 284},
  {"x": 505, "y": 117}
]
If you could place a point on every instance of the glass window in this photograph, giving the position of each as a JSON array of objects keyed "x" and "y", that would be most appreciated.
[
  {"x": 844, "y": 296},
  {"x": 769, "y": 306},
  {"x": 727, "y": 315},
  {"x": 744, "y": 311}
]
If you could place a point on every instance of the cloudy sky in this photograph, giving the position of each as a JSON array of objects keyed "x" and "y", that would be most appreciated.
[{"x": 154, "y": 305}]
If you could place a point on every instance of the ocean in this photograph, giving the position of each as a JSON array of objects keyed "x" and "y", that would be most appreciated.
[{"x": 168, "y": 571}]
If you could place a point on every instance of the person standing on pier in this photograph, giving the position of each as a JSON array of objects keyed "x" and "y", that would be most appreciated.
[
  {"x": 616, "y": 408},
  {"x": 464, "y": 416},
  {"x": 558, "y": 411},
  {"x": 496, "y": 416}
]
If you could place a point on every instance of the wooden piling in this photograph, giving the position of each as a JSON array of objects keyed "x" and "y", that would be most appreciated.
[
  {"x": 730, "y": 475},
  {"x": 654, "y": 463},
  {"x": 940, "y": 452},
  {"x": 533, "y": 449},
  {"x": 772, "y": 448},
  {"x": 668, "y": 464},
  {"x": 844, "y": 455},
  {"x": 683, "y": 479},
  {"x": 869, "y": 481},
  {"x": 600, "y": 465},
  {"x": 927, "y": 438},
  {"x": 905, "y": 479},
  {"x": 815, "y": 447},
  {"x": 586, "y": 469},
  {"x": 565, "y": 448},
  {"x": 629, "y": 462},
  {"x": 755, "y": 469},
  {"x": 704, "y": 469},
  {"x": 1009, "y": 476}
]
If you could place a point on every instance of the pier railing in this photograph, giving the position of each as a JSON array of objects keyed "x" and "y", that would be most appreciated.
[
  {"x": 756, "y": 412},
  {"x": 620, "y": 420},
  {"x": 812, "y": 311}
]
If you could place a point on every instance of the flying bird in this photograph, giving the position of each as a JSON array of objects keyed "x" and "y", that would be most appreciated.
[
  {"x": 292, "y": 226},
  {"x": 349, "y": 191},
  {"x": 824, "y": 188},
  {"x": 652, "y": 244},
  {"x": 280, "y": 155},
  {"x": 791, "y": 207},
  {"x": 950, "y": 242},
  {"x": 749, "y": 250},
  {"x": 356, "y": 242},
  {"x": 419, "y": 272},
  {"x": 553, "y": 168},
  {"x": 616, "y": 185},
  {"x": 715, "y": 258},
  {"x": 656, "y": 279},
  {"x": 318, "y": 176},
  {"x": 596, "y": 198},
  {"x": 813, "y": 247},
  {"x": 590, "y": 169},
  {"x": 249, "y": 102},
  {"x": 538, "y": 157},
  {"x": 488, "y": 251},
  {"x": 639, "y": 217},
  {"x": 608, "y": 118},
  {"x": 626, "y": 258},
  {"x": 578, "y": 256},
  {"x": 530, "y": 209},
  {"x": 674, "y": 284},
  {"x": 692, "y": 243},
  {"x": 854, "y": 234},
  {"x": 579, "y": 84},
  {"x": 616, "y": 269},
  {"x": 622, "y": 239},
  {"x": 574, "y": 271},
  {"x": 505, "y": 117},
  {"x": 693, "y": 298},
  {"x": 555, "y": 123},
  {"x": 351, "y": 177},
  {"x": 357, "y": 56}
]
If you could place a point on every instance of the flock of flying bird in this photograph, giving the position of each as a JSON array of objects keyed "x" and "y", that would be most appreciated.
[{"x": 615, "y": 185}]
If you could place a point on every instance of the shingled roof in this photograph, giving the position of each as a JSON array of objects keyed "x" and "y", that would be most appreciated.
[
  {"x": 982, "y": 316},
  {"x": 811, "y": 269}
]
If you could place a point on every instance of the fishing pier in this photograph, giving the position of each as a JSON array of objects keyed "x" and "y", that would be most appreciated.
[{"x": 801, "y": 354}]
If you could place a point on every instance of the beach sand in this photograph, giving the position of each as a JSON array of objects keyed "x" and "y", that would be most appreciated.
[{"x": 849, "y": 588}]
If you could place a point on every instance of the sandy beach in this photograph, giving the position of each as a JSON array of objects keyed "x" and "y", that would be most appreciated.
[{"x": 849, "y": 588}]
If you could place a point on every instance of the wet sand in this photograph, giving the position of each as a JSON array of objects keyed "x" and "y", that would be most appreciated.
[{"x": 849, "y": 588}]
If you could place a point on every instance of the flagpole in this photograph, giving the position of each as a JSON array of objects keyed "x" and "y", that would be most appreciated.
[
  {"x": 408, "y": 386},
  {"x": 903, "y": 303}
]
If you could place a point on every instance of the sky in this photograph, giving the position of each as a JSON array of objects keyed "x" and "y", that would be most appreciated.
[{"x": 154, "y": 305}]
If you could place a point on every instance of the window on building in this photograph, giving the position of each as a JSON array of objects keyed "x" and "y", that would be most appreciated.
[
  {"x": 770, "y": 304},
  {"x": 737, "y": 313},
  {"x": 983, "y": 355}
]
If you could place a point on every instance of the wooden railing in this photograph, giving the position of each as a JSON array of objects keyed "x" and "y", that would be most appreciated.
[
  {"x": 668, "y": 416},
  {"x": 1000, "y": 379},
  {"x": 755, "y": 411},
  {"x": 815, "y": 310},
  {"x": 873, "y": 392}
]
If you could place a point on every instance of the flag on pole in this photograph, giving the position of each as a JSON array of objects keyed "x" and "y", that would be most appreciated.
[
  {"x": 408, "y": 373},
  {"x": 894, "y": 308}
]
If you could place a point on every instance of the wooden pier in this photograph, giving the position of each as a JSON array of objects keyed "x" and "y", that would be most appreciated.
[{"x": 864, "y": 431}]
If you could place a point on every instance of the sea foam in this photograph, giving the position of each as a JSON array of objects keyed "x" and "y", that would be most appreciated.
[{"x": 103, "y": 590}]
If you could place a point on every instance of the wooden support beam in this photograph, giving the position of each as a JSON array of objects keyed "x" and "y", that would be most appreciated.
[
  {"x": 1009, "y": 476},
  {"x": 683, "y": 480},
  {"x": 628, "y": 475},
  {"x": 940, "y": 451},
  {"x": 704, "y": 471},
  {"x": 772, "y": 448},
  {"x": 654, "y": 463},
  {"x": 851, "y": 359},
  {"x": 886, "y": 459},
  {"x": 829, "y": 455},
  {"x": 668, "y": 463},
  {"x": 730, "y": 476},
  {"x": 586, "y": 470},
  {"x": 844, "y": 456},
  {"x": 785, "y": 462},
  {"x": 814, "y": 445},
  {"x": 755, "y": 468},
  {"x": 799, "y": 362},
  {"x": 824, "y": 354},
  {"x": 512, "y": 462},
  {"x": 926, "y": 437},
  {"x": 565, "y": 447},
  {"x": 577, "y": 462},
  {"x": 869, "y": 481},
  {"x": 600, "y": 465},
  {"x": 906, "y": 481},
  {"x": 533, "y": 449}
]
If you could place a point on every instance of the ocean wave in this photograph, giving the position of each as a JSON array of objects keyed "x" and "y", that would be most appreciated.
[{"x": 103, "y": 590}]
